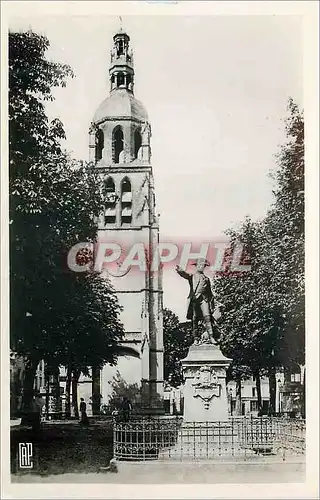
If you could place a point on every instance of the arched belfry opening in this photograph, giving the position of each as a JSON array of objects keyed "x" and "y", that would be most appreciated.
[
  {"x": 117, "y": 144},
  {"x": 137, "y": 142},
  {"x": 120, "y": 47},
  {"x": 126, "y": 201},
  {"x": 110, "y": 201},
  {"x": 99, "y": 137},
  {"x": 120, "y": 79}
]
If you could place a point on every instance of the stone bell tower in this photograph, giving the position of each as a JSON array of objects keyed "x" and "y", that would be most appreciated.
[{"x": 119, "y": 145}]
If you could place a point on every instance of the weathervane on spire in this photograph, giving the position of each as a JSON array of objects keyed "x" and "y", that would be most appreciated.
[{"x": 120, "y": 19}]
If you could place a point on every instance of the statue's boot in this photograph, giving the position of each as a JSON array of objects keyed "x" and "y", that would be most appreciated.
[
  {"x": 195, "y": 330},
  {"x": 208, "y": 324}
]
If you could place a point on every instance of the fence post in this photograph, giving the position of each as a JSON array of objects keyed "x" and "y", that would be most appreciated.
[
  {"x": 137, "y": 439},
  {"x": 207, "y": 440},
  {"x": 180, "y": 432},
  {"x": 114, "y": 451},
  {"x": 244, "y": 426},
  {"x": 232, "y": 439},
  {"x": 143, "y": 440}
]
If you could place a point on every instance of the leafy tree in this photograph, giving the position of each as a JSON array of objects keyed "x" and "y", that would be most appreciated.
[
  {"x": 250, "y": 323},
  {"x": 56, "y": 315},
  {"x": 32, "y": 139},
  {"x": 134, "y": 392},
  {"x": 284, "y": 241},
  {"x": 284, "y": 236},
  {"x": 177, "y": 338},
  {"x": 122, "y": 389},
  {"x": 263, "y": 315},
  {"x": 91, "y": 336}
]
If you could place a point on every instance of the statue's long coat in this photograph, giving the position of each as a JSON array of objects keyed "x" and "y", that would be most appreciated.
[{"x": 200, "y": 288}]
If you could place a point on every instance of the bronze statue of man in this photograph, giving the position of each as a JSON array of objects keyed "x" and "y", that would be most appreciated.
[{"x": 200, "y": 302}]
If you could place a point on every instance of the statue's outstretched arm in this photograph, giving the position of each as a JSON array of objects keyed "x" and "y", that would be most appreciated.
[{"x": 182, "y": 273}]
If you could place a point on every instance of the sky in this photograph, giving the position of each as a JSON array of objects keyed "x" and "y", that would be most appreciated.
[{"x": 216, "y": 90}]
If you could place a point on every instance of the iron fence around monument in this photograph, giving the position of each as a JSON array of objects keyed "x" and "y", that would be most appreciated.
[{"x": 174, "y": 439}]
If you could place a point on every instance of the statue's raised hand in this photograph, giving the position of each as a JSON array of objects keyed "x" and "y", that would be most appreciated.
[{"x": 182, "y": 273}]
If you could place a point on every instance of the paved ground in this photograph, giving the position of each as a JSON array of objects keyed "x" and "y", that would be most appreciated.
[
  {"x": 70, "y": 453},
  {"x": 178, "y": 473}
]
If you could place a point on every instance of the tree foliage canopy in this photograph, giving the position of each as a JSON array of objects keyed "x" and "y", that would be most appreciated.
[
  {"x": 263, "y": 314},
  {"x": 177, "y": 339},
  {"x": 122, "y": 389}
]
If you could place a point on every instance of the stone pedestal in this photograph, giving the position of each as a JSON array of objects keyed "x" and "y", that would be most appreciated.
[{"x": 205, "y": 394}]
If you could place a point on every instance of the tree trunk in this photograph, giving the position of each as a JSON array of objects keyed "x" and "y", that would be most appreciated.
[
  {"x": 96, "y": 396},
  {"x": 28, "y": 391},
  {"x": 258, "y": 386},
  {"x": 272, "y": 391},
  {"x": 47, "y": 377},
  {"x": 74, "y": 385},
  {"x": 56, "y": 400},
  {"x": 68, "y": 393},
  {"x": 238, "y": 396}
]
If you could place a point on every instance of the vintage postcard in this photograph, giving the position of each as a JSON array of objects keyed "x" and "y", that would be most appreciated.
[{"x": 159, "y": 205}]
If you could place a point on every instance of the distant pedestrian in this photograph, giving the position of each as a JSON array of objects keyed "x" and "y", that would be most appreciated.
[
  {"x": 126, "y": 408},
  {"x": 115, "y": 415},
  {"x": 36, "y": 411},
  {"x": 83, "y": 412}
]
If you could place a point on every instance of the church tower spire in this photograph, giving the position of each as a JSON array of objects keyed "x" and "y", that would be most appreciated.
[
  {"x": 120, "y": 132},
  {"x": 121, "y": 70}
]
